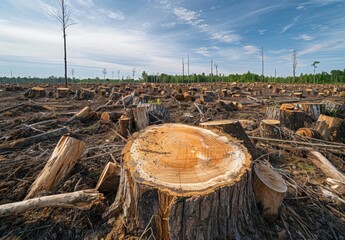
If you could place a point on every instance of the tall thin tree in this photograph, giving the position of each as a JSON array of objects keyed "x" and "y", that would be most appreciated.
[
  {"x": 64, "y": 17},
  {"x": 294, "y": 64},
  {"x": 315, "y": 66}
]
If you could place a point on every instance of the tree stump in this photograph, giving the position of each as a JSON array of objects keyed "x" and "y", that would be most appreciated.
[
  {"x": 110, "y": 116},
  {"x": 270, "y": 128},
  {"x": 125, "y": 125},
  {"x": 313, "y": 109},
  {"x": 186, "y": 182},
  {"x": 63, "y": 92},
  {"x": 35, "y": 92},
  {"x": 141, "y": 117},
  {"x": 331, "y": 128},
  {"x": 270, "y": 190},
  {"x": 294, "y": 119}
]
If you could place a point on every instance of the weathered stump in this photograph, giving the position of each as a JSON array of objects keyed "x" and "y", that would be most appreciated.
[
  {"x": 313, "y": 109},
  {"x": 270, "y": 128},
  {"x": 35, "y": 92},
  {"x": 294, "y": 119},
  {"x": 331, "y": 128},
  {"x": 185, "y": 182},
  {"x": 63, "y": 92}
]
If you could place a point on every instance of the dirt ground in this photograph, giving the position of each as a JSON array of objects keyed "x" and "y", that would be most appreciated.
[{"x": 308, "y": 212}]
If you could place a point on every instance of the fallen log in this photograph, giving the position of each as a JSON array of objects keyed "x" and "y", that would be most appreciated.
[
  {"x": 12, "y": 107},
  {"x": 199, "y": 189},
  {"x": 325, "y": 166},
  {"x": 61, "y": 162},
  {"x": 84, "y": 200},
  {"x": 23, "y": 142},
  {"x": 84, "y": 115}
]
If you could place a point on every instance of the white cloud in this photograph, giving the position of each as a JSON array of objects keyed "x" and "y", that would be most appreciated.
[
  {"x": 300, "y": 7},
  {"x": 304, "y": 37},
  {"x": 287, "y": 27},
  {"x": 118, "y": 15},
  {"x": 250, "y": 49},
  {"x": 202, "y": 51},
  {"x": 186, "y": 15},
  {"x": 168, "y": 25},
  {"x": 226, "y": 37},
  {"x": 87, "y": 3},
  {"x": 262, "y": 31}
]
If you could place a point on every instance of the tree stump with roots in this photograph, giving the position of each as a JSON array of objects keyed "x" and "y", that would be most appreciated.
[{"x": 186, "y": 182}]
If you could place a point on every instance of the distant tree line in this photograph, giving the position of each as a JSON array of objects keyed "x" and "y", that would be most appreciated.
[{"x": 335, "y": 76}]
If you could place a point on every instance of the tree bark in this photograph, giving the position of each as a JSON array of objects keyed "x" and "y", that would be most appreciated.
[
  {"x": 84, "y": 200},
  {"x": 141, "y": 117},
  {"x": 331, "y": 128},
  {"x": 269, "y": 189},
  {"x": 210, "y": 196},
  {"x": 125, "y": 125},
  {"x": 294, "y": 119},
  {"x": 109, "y": 179},
  {"x": 61, "y": 162},
  {"x": 270, "y": 128}
]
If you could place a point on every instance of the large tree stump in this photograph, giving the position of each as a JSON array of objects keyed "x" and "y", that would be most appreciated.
[
  {"x": 331, "y": 128},
  {"x": 35, "y": 92},
  {"x": 62, "y": 160},
  {"x": 186, "y": 182}
]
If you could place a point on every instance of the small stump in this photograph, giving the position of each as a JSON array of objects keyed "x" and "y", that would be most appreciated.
[
  {"x": 187, "y": 182},
  {"x": 270, "y": 189}
]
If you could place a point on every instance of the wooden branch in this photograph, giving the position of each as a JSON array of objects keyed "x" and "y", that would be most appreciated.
[
  {"x": 23, "y": 142},
  {"x": 61, "y": 162},
  {"x": 84, "y": 200},
  {"x": 325, "y": 166},
  {"x": 12, "y": 107},
  {"x": 297, "y": 142}
]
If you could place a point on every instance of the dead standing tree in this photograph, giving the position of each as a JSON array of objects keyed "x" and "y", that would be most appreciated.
[
  {"x": 294, "y": 64},
  {"x": 63, "y": 15}
]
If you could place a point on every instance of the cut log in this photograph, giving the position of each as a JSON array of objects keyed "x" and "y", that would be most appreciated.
[
  {"x": 331, "y": 128},
  {"x": 84, "y": 200},
  {"x": 270, "y": 128},
  {"x": 270, "y": 189},
  {"x": 84, "y": 115},
  {"x": 110, "y": 116},
  {"x": 141, "y": 117},
  {"x": 235, "y": 129},
  {"x": 325, "y": 166},
  {"x": 23, "y": 142},
  {"x": 61, "y": 162},
  {"x": 125, "y": 125},
  {"x": 186, "y": 182},
  {"x": 109, "y": 179},
  {"x": 308, "y": 132}
]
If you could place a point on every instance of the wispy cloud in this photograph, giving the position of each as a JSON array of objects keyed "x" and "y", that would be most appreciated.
[
  {"x": 290, "y": 25},
  {"x": 202, "y": 51},
  {"x": 226, "y": 37},
  {"x": 168, "y": 25},
  {"x": 118, "y": 15},
  {"x": 262, "y": 31},
  {"x": 87, "y": 3},
  {"x": 250, "y": 49},
  {"x": 187, "y": 16},
  {"x": 304, "y": 37}
]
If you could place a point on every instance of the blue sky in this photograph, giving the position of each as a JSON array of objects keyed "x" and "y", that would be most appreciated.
[{"x": 154, "y": 35}]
